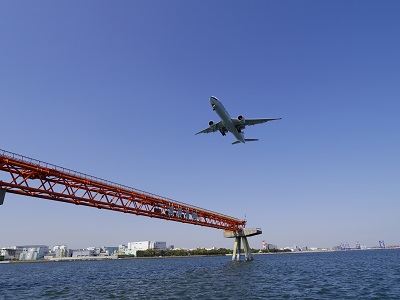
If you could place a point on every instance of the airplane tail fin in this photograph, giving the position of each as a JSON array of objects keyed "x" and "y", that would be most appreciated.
[{"x": 246, "y": 140}]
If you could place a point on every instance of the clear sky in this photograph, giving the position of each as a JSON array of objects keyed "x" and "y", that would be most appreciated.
[{"x": 117, "y": 90}]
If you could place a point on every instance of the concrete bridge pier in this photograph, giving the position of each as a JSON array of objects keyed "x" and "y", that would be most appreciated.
[
  {"x": 237, "y": 248},
  {"x": 241, "y": 238}
]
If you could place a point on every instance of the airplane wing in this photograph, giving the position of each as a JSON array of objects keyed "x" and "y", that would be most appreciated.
[
  {"x": 217, "y": 127},
  {"x": 249, "y": 122}
]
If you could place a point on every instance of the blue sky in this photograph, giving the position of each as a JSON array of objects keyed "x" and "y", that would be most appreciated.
[{"x": 118, "y": 89}]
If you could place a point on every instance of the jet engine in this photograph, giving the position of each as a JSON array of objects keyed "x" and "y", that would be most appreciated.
[
  {"x": 241, "y": 119},
  {"x": 212, "y": 125}
]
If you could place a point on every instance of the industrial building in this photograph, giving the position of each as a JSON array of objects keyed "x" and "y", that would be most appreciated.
[
  {"x": 36, "y": 252},
  {"x": 10, "y": 253},
  {"x": 77, "y": 253},
  {"x": 266, "y": 246},
  {"x": 60, "y": 251},
  {"x": 27, "y": 252},
  {"x": 133, "y": 247}
]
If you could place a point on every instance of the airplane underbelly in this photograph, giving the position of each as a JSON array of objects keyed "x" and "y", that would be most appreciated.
[
  {"x": 238, "y": 135},
  {"x": 227, "y": 122},
  {"x": 231, "y": 127}
]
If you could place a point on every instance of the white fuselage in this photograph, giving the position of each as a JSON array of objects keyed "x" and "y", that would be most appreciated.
[{"x": 226, "y": 119}]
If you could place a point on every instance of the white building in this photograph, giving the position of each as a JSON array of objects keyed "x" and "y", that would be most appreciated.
[
  {"x": 60, "y": 251},
  {"x": 133, "y": 247},
  {"x": 10, "y": 253},
  {"x": 28, "y": 252},
  {"x": 79, "y": 253},
  {"x": 96, "y": 250},
  {"x": 33, "y": 252}
]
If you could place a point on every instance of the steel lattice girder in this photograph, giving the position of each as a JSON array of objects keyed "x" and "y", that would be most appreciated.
[{"x": 37, "y": 179}]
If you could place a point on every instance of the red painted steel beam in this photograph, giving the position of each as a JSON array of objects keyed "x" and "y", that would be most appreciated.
[{"x": 29, "y": 177}]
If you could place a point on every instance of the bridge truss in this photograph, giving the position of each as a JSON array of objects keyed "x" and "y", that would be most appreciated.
[{"x": 30, "y": 177}]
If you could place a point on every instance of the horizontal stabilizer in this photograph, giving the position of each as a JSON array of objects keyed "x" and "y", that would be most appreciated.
[{"x": 246, "y": 140}]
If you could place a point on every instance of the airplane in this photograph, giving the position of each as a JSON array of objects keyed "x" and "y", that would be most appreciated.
[{"x": 234, "y": 126}]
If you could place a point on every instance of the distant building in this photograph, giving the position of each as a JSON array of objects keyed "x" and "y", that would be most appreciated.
[
  {"x": 95, "y": 250},
  {"x": 33, "y": 252},
  {"x": 133, "y": 247},
  {"x": 27, "y": 252},
  {"x": 11, "y": 253},
  {"x": 209, "y": 249},
  {"x": 76, "y": 253},
  {"x": 110, "y": 250},
  {"x": 60, "y": 251},
  {"x": 270, "y": 247}
]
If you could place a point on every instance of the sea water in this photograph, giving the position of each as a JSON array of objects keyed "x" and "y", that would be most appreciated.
[{"x": 363, "y": 274}]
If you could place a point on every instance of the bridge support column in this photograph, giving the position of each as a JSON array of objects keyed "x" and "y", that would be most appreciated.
[
  {"x": 247, "y": 249},
  {"x": 241, "y": 238},
  {"x": 2, "y": 196},
  {"x": 237, "y": 249}
]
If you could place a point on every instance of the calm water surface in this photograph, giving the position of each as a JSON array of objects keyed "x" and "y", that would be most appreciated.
[{"x": 372, "y": 274}]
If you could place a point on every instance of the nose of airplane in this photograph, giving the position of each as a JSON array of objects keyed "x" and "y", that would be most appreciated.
[{"x": 213, "y": 102}]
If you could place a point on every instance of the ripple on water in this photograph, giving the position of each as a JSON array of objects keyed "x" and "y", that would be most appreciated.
[{"x": 353, "y": 274}]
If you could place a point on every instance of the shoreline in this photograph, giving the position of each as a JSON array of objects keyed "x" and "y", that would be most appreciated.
[
  {"x": 96, "y": 258},
  {"x": 101, "y": 258}
]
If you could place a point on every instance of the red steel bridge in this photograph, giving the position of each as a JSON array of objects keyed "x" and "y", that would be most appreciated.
[{"x": 30, "y": 177}]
